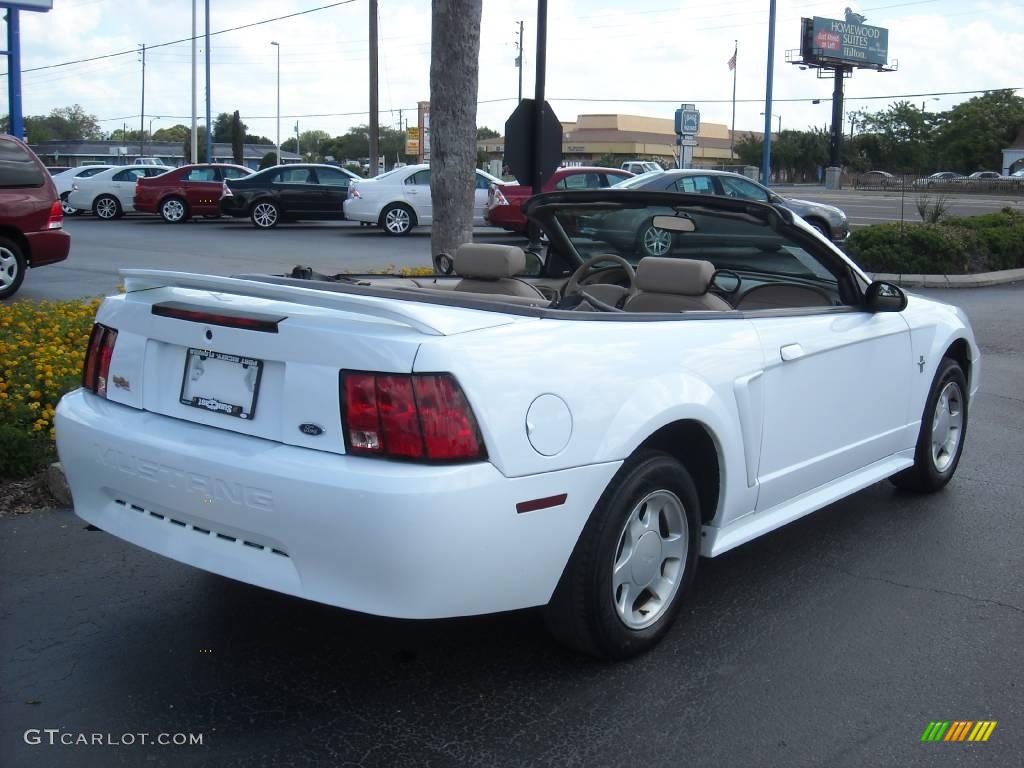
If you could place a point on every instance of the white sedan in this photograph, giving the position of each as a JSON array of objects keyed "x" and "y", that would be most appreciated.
[
  {"x": 111, "y": 193},
  {"x": 399, "y": 200},
  {"x": 512, "y": 435},
  {"x": 65, "y": 179}
]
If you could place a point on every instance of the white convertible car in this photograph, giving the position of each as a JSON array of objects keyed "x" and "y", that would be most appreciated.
[{"x": 569, "y": 430}]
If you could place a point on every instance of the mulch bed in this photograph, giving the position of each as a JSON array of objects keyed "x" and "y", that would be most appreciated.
[{"x": 19, "y": 497}]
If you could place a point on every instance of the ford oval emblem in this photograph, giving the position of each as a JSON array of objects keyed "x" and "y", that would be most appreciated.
[{"x": 309, "y": 428}]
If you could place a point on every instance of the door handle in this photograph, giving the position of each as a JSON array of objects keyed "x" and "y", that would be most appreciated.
[{"x": 791, "y": 351}]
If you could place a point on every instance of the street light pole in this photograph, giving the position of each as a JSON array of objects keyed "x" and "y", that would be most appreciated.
[{"x": 278, "y": 46}]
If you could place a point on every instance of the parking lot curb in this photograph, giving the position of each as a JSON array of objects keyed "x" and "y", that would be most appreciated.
[
  {"x": 58, "y": 484},
  {"x": 978, "y": 280}
]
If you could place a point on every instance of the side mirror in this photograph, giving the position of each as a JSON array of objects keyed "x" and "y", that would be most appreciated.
[{"x": 885, "y": 297}]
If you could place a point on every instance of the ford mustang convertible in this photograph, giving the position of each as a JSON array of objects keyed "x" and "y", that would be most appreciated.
[{"x": 571, "y": 428}]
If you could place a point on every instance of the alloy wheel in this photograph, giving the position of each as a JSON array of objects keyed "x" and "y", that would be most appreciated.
[
  {"x": 173, "y": 210},
  {"x": 106, "y": 207},
  {"x": 264, "y": 215},
  {"x": 947, "y": 426},
  {"x": 650, "y": 559},
  {"x": 656, "y": 242},
  {"x": 8, "y": 268},
  {"x": 397, "y": 221}
]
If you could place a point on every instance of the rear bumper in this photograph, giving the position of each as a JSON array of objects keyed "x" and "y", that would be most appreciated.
[
  {"x": 507, "y": 216},
  {"x": 380, "y": 537},
  {"x": 47, "y": 247},
  {"x": 356, "y": 210}
]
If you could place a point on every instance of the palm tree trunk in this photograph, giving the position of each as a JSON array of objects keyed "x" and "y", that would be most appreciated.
[{"x": 454, "y": 70}]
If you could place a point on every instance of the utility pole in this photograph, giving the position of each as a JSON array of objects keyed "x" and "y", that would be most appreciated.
[
  {"x": 142, "y": 112},
  {"x": 298, "y": 147},
  {"x": 374, "y": 122},
  {"x": 278, "y": 46},
  {"x": 209, "y": 124},
  {"x": 836, "y": 140},
  {"x": 195, "y": 136},
  {"x": 766, "y": 154},
  {"x": 519, "y": 60}
]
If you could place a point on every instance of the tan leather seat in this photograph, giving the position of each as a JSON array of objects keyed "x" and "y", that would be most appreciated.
[
  {"x": 491, "y": 269},
  {"x": 674, "y": 285}
]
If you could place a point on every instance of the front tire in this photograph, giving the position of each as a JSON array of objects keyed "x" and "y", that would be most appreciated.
[
  {"x": 397, "y": 219},
  {"x": 12, "y": 267},
  {"x": 633, "y": 563},
  {"x": 265, "y": 215},
  {"x": 943, "y": 429},
  {"x": 173, "y": 210},
  {"x": 820, "y": 228},
  {"x": 107, "y": 207}
]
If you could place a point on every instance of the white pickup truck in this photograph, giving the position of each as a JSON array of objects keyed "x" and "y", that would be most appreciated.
[{"x": 569, "y": 430}]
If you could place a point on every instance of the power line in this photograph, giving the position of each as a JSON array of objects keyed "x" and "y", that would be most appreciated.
[{"x": 189, "y": 39}]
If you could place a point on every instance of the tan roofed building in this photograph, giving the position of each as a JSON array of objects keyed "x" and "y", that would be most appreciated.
[{"x": 614, "y": 139}]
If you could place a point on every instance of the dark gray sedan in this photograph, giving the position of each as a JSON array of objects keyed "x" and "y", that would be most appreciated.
[{"x": 827, "y": 219}]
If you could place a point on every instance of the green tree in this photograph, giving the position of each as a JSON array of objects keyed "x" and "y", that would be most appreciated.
[
  {"x": 174, "y": 133},
  {"x": 269, "y": 160},
  {"x": 972, "y": 135},
  {"x": 127, "y": 136},
  {"x": 63, "y": 123},
  {"x": 237, "y": 139},
  {"x": 201, "y": 142},
  {"x": 484, "y": 132},
  {"x": 900, "y": 138},
  {"x": 222, "y": 127}
]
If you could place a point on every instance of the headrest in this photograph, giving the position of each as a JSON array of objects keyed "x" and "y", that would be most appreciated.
[
  {"x": 489, "y": 262},
  {"x": 683, "y": 277}
]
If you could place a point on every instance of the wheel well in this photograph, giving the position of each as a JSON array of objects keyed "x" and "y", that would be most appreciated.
[
  {"x": 19, "y": 239},
  {"x": 690, "y": 443},
  {"x": 961, "y": 352}
]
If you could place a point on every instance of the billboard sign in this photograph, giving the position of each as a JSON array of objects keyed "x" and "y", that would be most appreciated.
[
  {"x": 848, "y": 42},
  {"x": 412, "y": 141}
]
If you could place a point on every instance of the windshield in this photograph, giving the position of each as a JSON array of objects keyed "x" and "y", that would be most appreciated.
[
  {"x": 635, "y": 182},
  {"x": 746, "y": 242}
]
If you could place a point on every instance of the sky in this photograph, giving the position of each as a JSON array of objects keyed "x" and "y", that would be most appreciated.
[{"x": 603, "y": 57}]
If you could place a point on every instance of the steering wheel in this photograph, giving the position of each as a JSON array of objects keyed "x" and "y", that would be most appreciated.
[{"x": 590, "y": 266}]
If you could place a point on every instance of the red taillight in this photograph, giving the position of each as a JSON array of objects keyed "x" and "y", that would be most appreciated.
[
  {"x": 418, "y": 416},
  {"x": 496, "y": 196},
  {"x": 225, "y": 190},
  {"x": 56, "y": 218},
  {"x": 96, "y": 370}
]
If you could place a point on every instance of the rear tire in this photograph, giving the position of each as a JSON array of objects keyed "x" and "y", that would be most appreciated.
[
  {"x": 633, "y": 563},
  {"x": 265, "y": 215},
  {"x": 12, "y": 267},
  {"x": 107, "y": 207},
  {"x": 173, "y": 210},
  {"x": 397, "y": 219},
  {"x": 940, "y": 442}
]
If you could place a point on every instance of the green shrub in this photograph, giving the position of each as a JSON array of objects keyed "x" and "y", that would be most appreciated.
[
  {"x": 955, "y": 245},
  {"x": 916, "y": 249}
]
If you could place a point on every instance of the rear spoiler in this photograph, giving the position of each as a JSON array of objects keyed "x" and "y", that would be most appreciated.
[{"x": 423, "y": 318}]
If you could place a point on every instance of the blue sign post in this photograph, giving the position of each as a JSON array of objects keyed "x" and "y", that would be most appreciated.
[{"x": 17, "y": 126}]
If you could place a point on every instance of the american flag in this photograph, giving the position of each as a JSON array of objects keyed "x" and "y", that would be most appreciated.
[{"x": 732, "y": 61}]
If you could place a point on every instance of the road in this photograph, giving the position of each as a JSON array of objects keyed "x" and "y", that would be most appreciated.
[
  {"x": 875, "y": 207},
  {"x": 832, "y": 642},
  {"x": 222, "y": 246}
]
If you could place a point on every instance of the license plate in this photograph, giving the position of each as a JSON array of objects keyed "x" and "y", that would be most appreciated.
[{"x": 221, "y": 383}]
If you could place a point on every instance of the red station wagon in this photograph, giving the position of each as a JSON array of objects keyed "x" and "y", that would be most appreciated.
[
  {"x": 31, "y": 220},
  {"x": 192, "y": 190}
]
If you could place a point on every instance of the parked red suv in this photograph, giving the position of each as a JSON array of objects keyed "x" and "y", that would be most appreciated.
[
  {"x": 192, "y": 190},
  {"x": 31, "y": 221}
]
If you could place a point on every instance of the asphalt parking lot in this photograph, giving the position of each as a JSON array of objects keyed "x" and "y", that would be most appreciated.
[
  {"x": 832, "y": 642},
  {"x": 224, "y": 246}
]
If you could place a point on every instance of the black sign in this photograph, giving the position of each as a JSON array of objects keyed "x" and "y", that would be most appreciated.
[{"x": 519, "y": 143}]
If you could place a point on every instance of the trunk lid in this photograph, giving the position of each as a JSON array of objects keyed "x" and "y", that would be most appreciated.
[{"x": 180, "y": 352}]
